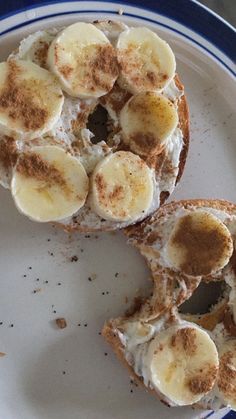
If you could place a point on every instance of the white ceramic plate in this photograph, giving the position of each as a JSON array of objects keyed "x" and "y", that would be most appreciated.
[{"x": 57, "y": 374}]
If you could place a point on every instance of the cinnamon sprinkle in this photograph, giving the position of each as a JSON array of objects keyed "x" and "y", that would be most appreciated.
[
  {"x": 132, "y": 63},
  {"x": 66, "y": 71},
  {"x": 152, "y": 77},
  {"x": 147, "y": 143},
  {"x": 227, "y": 374},
  {"x": 116, "y": 98},
  {"x": 116, "y": 193},
  {"x": 153, "y": 237},
  {"x": 100, "y": 71},
  {"x": 31, "y": 165},
  {"x": 204, "y": 246},
  {"x": 186, "y": 339},
  {"x": 15, "y": 98},
  {"x": 203, "y": 382},
  {"x": 101, "y": 185},
  {"x": 8, "y": 152},
  {"x": 81, "y": 120},
  {"x": 42, "y": 52},
  {"x": 106, "y": 61}
]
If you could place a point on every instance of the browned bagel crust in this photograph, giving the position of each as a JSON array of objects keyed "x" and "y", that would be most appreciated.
[
  {"x": 136, "y": 232},
  {"x": 209, "y": 321},
  {"x": 184, "y": 124},
  {"x": 140, "y": 237},
  {"x": 110, "y": 335}
]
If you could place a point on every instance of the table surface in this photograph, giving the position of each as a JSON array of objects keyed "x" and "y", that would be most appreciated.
[{"x": 224, "y": 8}]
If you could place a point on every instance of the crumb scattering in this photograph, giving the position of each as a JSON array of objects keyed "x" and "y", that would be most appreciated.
[
  {"x": 92, "y": 277},
  {"x": 37, "y": 290},
  {"x": 74, "y": 258},
  {"x": 61, "y": 323}
]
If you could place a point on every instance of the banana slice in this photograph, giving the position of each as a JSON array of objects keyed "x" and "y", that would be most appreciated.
[
  {"x": 183, "y": 363},
  {"x": 227, "y": 373},
  {"x": 147, "y": 120},
  {"x": 111, "y": 28},
  {"x": 146, "y": 61},
  {"x": 30, "y": 100},
  {"x": 122, "y": 187},
  {"x": 84, "y": 60},
  {"x": 200, "y": 244},
  {"x": 49, "y": 184},
  {"x": 34, "y": 48}
]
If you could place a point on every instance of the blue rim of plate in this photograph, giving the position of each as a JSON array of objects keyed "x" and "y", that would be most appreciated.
[{"x": 189, "y": 13}]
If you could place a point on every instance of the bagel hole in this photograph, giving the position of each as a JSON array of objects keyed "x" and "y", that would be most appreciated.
[
  {"x": 204, "y": 297},
  {"x": 98, "y": 124}
]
